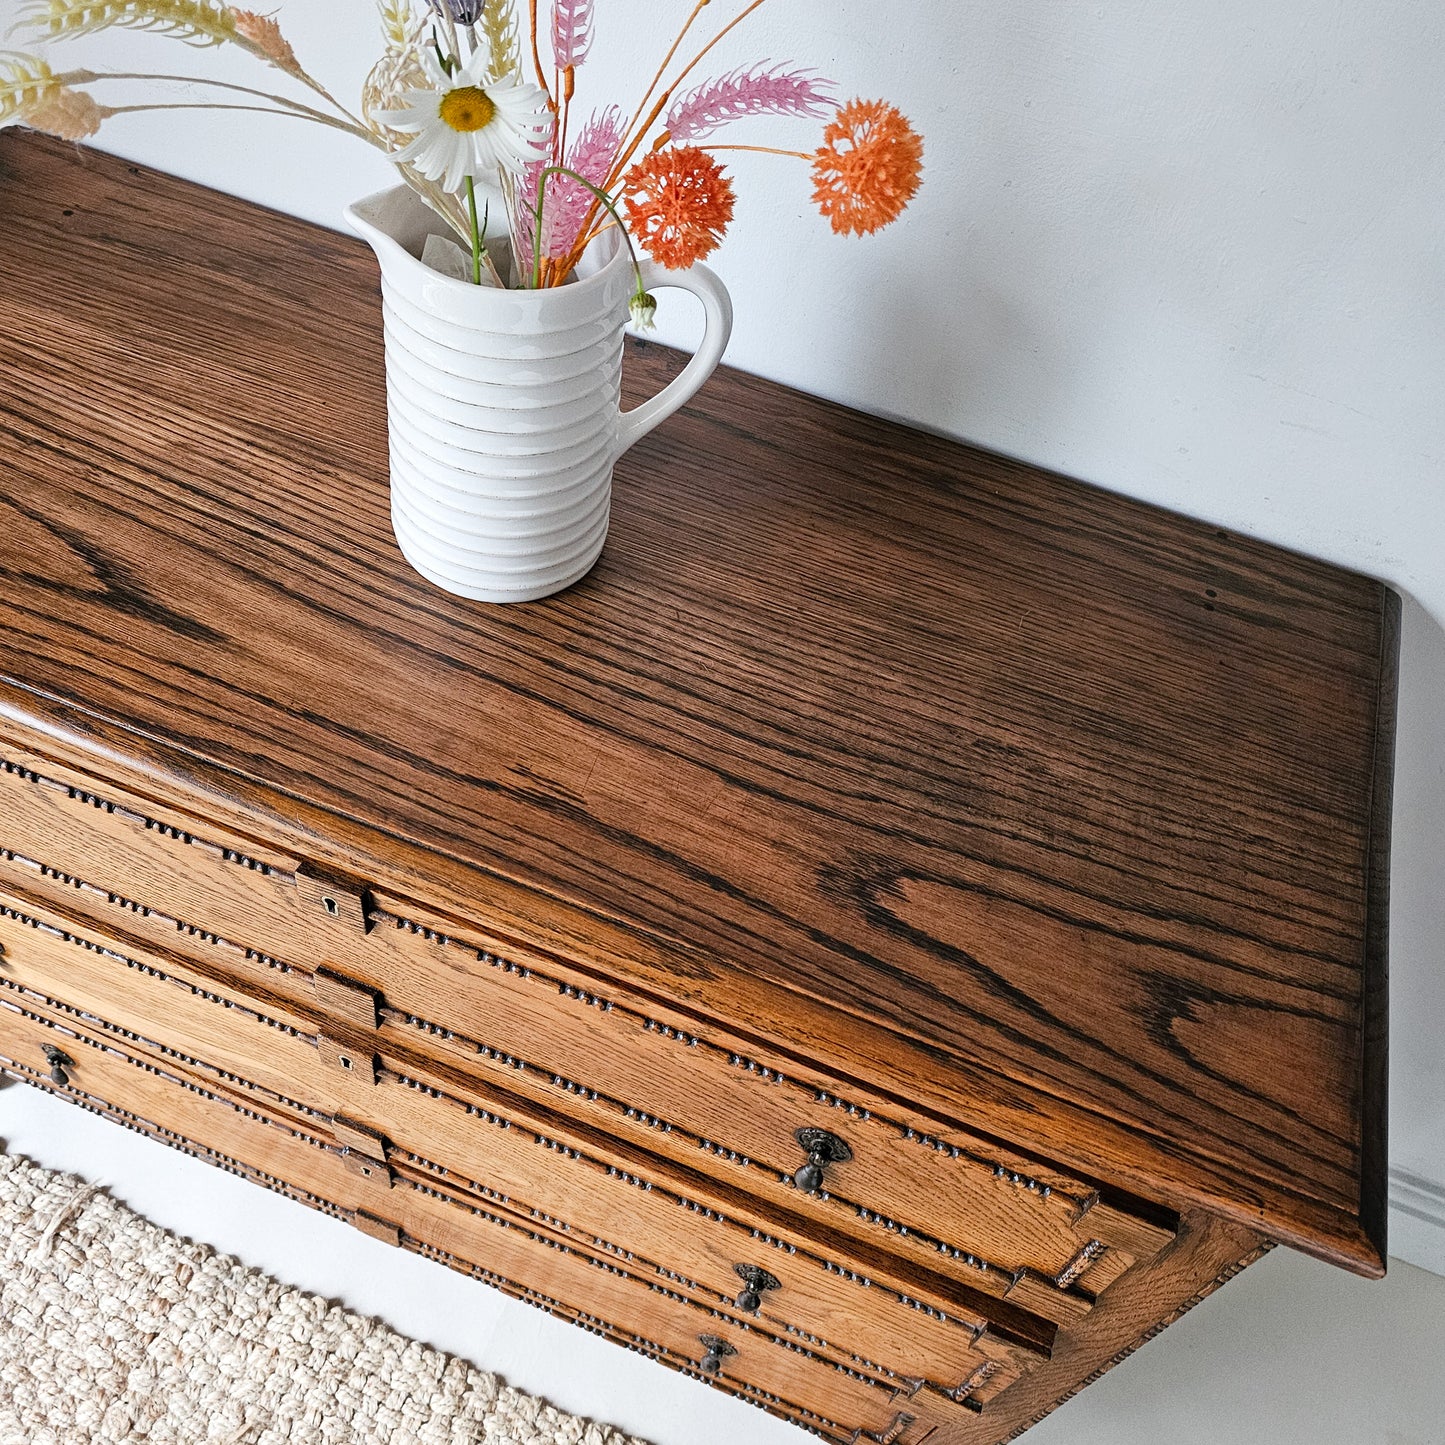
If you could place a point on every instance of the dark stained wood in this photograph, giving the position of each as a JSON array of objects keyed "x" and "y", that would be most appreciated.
[
  {"x": 1374, "y": 1079},
  {"x": 1208, "y": 1254},
  {"x": 1031, "y": 806}
]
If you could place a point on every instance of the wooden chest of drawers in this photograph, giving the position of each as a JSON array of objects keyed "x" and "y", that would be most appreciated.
[{"x": 899, "y": 934}]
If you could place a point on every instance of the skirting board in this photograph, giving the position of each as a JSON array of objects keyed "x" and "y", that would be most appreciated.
[{"x": 1417, "y": 1220}]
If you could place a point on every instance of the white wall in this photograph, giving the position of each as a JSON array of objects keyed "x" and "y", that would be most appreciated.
[{"x": 1194, "y": 252}]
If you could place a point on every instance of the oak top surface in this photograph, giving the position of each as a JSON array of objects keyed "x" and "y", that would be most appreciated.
[{"x": 1064, "y": 806}]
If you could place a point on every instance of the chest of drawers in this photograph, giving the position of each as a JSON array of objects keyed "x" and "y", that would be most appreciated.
[{"x": 901, "y": 932}]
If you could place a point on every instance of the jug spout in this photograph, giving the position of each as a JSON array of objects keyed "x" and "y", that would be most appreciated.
[{"x": 393, "y": 222}]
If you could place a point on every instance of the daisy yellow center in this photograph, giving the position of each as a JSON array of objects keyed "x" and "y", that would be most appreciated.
[{"x": 467, "y": 108}]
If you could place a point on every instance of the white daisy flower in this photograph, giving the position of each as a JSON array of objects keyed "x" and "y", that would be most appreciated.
[{"x": 466, "y": 128}]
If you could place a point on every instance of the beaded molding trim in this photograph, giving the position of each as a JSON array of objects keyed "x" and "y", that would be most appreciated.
[
  {"x": 811, "y": 1420},
  {"x": 1080, "y": 1202}
]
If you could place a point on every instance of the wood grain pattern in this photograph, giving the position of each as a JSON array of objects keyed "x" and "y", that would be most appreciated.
[
  {"x": 271, "y": 1062},
  {"x": 1032, "y": 805},
  {"x": 775, "y": 1372},
  {"x": 963, "y": 1205},
  {"x": 1207, "y": 1254},
  {"x": 973, "y": 1367}
]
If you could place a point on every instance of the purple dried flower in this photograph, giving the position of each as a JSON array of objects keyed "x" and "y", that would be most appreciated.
[
  {"x": 464, "y": 12},
  {"x": 744, "y": 92},
  {"x": 571, "y": 31}
]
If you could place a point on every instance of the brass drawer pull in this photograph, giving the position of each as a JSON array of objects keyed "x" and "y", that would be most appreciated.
[
  {"x": 59, "y": 1062},
  {"x": 712, "y": 1362},
  {"x": 822, "y": 1149},
  {"x": 755, "y": 1282}
]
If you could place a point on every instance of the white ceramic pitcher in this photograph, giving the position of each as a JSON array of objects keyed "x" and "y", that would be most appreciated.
[{"x": 503, "y": 406}]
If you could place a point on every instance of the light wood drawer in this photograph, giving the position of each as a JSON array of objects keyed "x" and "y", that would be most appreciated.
[
  {"x": 582, "y": 1285},
  {"x": 1002, "y": 1223},
  {"x": 500, "y": 1149}
]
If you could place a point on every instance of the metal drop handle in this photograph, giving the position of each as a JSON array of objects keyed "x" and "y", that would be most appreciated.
[
  {"x": 717, "y": 1349},
  {"x": 755, "y": 1283},
  {"x": 822, "y": 1149},
  {"x": 59, "y": 1062}
]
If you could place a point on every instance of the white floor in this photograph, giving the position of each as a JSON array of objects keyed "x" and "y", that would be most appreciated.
[{"x": 1292, "y": 1353}]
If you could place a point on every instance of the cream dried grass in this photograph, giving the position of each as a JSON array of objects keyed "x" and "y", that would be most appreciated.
[
  {"x": 25, "y": 82},
  {"x": 197, "y": 22},
  {"x": 113, "y": 1330},
  {"x": 395, "y": 22},
  {"x": 262, "y": 36},
  {"x": 71, "y": 115},
  {"x": 498, "y": 25}
]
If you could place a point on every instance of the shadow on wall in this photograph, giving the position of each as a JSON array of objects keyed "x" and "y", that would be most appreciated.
[{"x": 1417, "y": 903}]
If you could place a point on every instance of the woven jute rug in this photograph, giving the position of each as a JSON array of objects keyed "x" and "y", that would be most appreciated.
[{"x": 114, "y": 1330}]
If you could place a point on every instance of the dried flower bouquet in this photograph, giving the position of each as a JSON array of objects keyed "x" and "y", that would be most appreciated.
[{"x": 458, "y": 101}]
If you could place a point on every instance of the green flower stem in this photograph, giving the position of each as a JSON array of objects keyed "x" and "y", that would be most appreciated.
[
  {"x": 454, "y": 43},
  {"x": 450, "y": 62},
  {"x": 476, "y": 233},
  {"x": 603, "y": 199}
]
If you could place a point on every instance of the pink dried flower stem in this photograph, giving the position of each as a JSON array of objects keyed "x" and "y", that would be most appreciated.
[
  {"x": 745, "y": 93},
  {"x": 638, "y": 135},
  {"x": 568, "y": 202},
  {"x": 571, "y": 42},
  {"x": 571, "y": 32}
]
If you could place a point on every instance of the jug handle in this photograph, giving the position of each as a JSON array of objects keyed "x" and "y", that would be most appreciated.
[{"x": 718, "y": 324}]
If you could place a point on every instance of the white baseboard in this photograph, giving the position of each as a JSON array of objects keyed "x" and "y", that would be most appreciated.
[{"x": 1417, "y": 1220}]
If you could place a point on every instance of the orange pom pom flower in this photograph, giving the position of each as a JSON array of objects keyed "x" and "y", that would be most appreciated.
[
  {"x": 868, "y": 168},
  {"x": 679, "y": 203}
]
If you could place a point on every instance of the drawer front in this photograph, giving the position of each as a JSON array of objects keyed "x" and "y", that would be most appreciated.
[
  {"x": 586, "y": 1286},
  {"x": 1002, "y": 1223},
  {"x": 283, "y": 1059}
]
